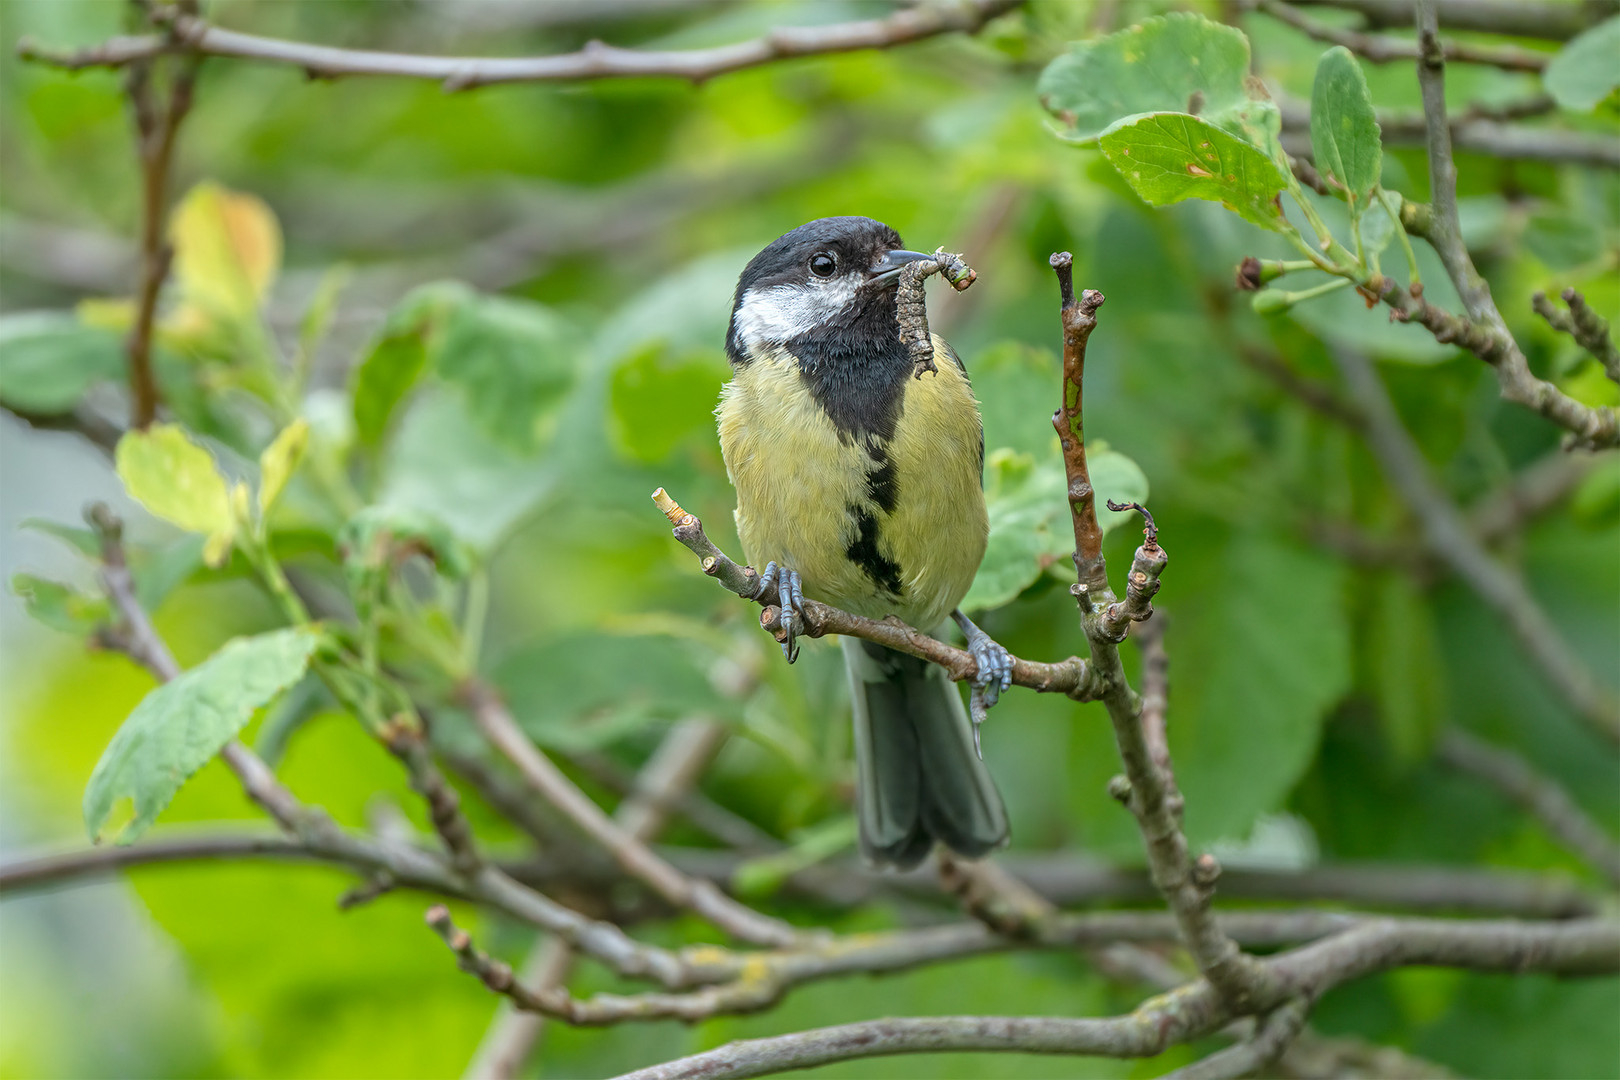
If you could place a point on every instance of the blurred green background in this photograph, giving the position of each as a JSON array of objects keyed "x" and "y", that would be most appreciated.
[{"x": 1307, "y": 688}]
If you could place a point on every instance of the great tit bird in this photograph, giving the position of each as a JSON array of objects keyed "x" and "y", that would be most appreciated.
[{"x": 862, "y": 486}]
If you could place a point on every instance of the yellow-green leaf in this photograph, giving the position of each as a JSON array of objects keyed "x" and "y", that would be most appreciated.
[
  {"x": 175, "y": 479},
  {"x": 227, "y": 250},
  {"x": 279, "y": 460},
  {"x": 175, "y": 730}
]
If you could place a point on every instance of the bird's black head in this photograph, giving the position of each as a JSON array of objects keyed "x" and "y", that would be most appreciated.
[{"x": 827, "y": 284}]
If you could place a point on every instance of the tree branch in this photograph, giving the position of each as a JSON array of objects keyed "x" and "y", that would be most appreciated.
[
  {"x": 1382, "y": 49},
  {"x": 1586, "y": 326},
  {"x": 1586, "y": 947},
  {"x": 1449, "y": 539},
  {"x": 191, "y": 35},
  {"x": 157, "y": 125},
  {"x": 1539, "y": 795},
  {"x": 1149, "y": 792},
  {"x": 1550, "y": 20}
]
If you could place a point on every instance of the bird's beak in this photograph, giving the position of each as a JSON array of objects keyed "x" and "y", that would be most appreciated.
[{"x": 886, "y": 271}]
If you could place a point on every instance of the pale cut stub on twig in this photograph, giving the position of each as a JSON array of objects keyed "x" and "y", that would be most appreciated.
[{"x": 912, "y": 305}]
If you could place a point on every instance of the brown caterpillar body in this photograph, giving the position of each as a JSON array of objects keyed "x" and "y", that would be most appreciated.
[{"x": 912, "y": 308}]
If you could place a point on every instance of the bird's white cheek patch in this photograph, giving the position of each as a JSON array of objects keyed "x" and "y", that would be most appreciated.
[{"x": 779, "y": 313}]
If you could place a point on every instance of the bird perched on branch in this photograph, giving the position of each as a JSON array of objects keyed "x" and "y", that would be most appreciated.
[{"x": 862, "y": 486}]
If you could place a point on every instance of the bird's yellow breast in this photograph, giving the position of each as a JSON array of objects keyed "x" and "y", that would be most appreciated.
[{"x": 806, "y": 496}]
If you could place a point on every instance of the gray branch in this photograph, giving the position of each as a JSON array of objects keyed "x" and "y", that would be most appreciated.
[
  {"x": 187, "y": 34},
  {"x": 1382, "y": 49},
  {"x": 1584, "y": 947}
]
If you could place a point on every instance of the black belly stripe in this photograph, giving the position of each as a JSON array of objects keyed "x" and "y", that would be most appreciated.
[
  {"x": 883, "y": 480},
  {"x": 864, "y": 552}
]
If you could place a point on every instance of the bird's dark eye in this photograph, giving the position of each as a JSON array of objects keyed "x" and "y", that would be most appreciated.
[{"x": 822, "y": 264}]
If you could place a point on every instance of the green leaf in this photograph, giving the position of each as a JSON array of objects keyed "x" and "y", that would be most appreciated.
[
  {"x": 515, "y": 362},
  {"x": 176, "y": 480},
  {"x": 397, "y": 357},
  {"x": 1587, "y": 69},
  {"x": 1030, "y": 526},
  {"x": 1344, "y": 129},
  {"x": 179, "y": 726},
  {"x": 1256, "y": 670},
  {"x": 48, "y": 359},
  {"x": 59, "y": 606},
  {"x": 278, "y": 462},
  {"x": 1168, "y": 157},
  {"x": 658, "y": 400},
  {"x": 1173, "y": 63}
]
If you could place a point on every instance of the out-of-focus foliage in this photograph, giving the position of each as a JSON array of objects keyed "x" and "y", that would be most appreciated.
[{"x": 522, "y": 338}]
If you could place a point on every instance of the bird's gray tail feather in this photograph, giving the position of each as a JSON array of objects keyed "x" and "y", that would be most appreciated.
[{"x": 917, "y": 777}]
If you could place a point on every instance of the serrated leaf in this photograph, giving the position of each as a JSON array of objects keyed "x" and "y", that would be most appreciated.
[
  {"x": 1168, "y": 157},
  {"x": 180, "y": 725},
  {"x": 1586, "y": 70},
  {"x": 513, "y": 359},
  {"x": 278, "y": 462},
  {"x": 59, "y": 606},
  {"x": 175, "y": 479},
  {"x": 1172, "y": 63},
  {"x": 1345, "y": 138},
  {"x": 1030, "y": 526},
  {"x": 396, "y": 358},
  {"x": 227, "y": 250},
  {"x": 658, "y": 399},
  {"x": 48, "y": 359}
]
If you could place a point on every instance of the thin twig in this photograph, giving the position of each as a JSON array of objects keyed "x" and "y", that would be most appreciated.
[
  {"x": 157, "y": 126},
  {"x": 1149, "y": 792},
  {"x": 405, "y": 741},
  {"x": 1541, "y": 796},
  {"x": 1549, "y": 20},
  {"x": 1449, "y": 539},
  {"x": 1583, "y": 324},
  {"x": 1381, "y": 49},
  {"x": 194, "y": 36}
]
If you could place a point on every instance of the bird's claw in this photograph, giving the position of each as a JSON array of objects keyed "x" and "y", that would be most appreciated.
[
  {"x": 993, "y": 675},
  {"x": 783, "y": 586}
]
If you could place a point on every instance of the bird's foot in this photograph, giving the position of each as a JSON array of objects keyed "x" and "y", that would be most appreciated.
[
  {"x": 782, "y": 586},
  {"x": 994, "y": 674}
]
